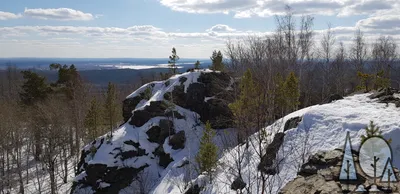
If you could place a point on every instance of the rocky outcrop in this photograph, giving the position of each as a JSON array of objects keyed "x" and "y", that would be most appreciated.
[
  {"x": 178, "y": 140},
  {"x": 268, "y": 161},
  {"x": 389, "y": 99},
  {"x": 312, "y": 184},
  {"x": 140, "y": 117},
  {"x": 383, "y": 92},
  {"x": 164, "y": 158},
  {"x": 115, "y": 178},
  {"x": 128, "y": 105},
  {"x": 158, "y": 133},
  {"x": 385, "y": 95},
  {"x": 130, "y": 152},
  {"x": 332, "y": 98},
  {"x": 193, "y": 190},
  {"x": 292, "y": 123},
  {"x": 238, "y": 184},
  {"x": 209, "y": 85},
  {"x": 321, "y": 175}
]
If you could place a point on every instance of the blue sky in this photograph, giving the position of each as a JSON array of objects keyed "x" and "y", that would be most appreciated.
[{"x": 150, "y": 28}]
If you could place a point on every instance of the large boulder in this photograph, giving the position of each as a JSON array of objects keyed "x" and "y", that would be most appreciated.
[
  {"x": 128, "y": 105},
  {"x": 164, "y": 158},
  {"x": 292, "y": 123},
  {"x": 332, "y": 98},
  {"x": 214, "y": 82},
  {"x": 313, "y": 184},
  {"x": 178, "y": 140},
  {"x": 383, "y": 92},
  {"x": 321, "y": 175},
  {"x": 268, "y": 163},
  {"x": 215, "y": 109},
  {"x": 156, "y": 108},
  {"x": 388, "y": 99},
  {"x": 238, "y": 184},
  {"x": 218, "y": 113},
  {"x": 195, "y": 97},
  {"x": 157, "y": 134},
  {"x": 117, "y": 178},
  {"x": 321, "y": 160}
]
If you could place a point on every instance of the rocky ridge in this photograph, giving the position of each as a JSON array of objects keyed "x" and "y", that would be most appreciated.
[{"x": 163, "y": 121}]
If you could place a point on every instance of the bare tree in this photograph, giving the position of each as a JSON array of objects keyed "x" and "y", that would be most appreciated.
[
  {"x": 384, "y": 54},
  {"x": 358, "y": 51}
]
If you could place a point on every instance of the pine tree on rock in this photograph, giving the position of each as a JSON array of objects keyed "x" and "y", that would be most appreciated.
[
  {"x": 216, "y": 59},
  {"x": 111, "y": 107},
  {"x": 172, "y": 61},
  {"x": 245, "y": 108},
  {"x": 93, "y": 120},
  {"x": 280, "y": 102},
  {"x": 207, "y": 156},
  {"x": 197, "y": 65},
  {"x": 292, "y": 92}
]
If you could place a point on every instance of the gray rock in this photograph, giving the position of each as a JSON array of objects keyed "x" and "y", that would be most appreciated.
[
  {"x": 312, "y": 184},
  {"x": 178, "y": 140},
  {"x": 267, "y": 164},
  {"x": 383, "y": 92},
  {"x": 128, "y": 105},
  {"x": 332, "y": 98},
  {"x": 140, "y": 117},
  {"x": 238, "y": 184},
  {"x": 388, "y": 99},
  {"x": 292, "y": 123}
]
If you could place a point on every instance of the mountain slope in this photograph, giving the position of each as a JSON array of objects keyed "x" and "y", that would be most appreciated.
[
  {"x": 323, "y": 127},
  {"x": 164, "y": 122}
]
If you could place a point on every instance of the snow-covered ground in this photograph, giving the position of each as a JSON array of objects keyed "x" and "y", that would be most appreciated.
[
  {"x": 324, "y": 127},
  {"x": 38, "y": 174}
]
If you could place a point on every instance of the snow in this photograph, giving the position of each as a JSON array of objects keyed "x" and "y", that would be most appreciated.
[{"x": 323, "y": 127}]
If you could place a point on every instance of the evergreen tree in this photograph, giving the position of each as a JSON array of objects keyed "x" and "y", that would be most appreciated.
[
  {"x": 172, "y": 61},
  {"x": 372, "y": 131},
  {"x": 292, "y": 92},
  {"x": 279, "y": 95},
  {"x": 34, "y": 89},
  {"x": 197, "y": 65},
  {"x": 207, "y": 157},
  {"x": 111, "y": 107},
  {"x": 93, "y": 120},
  {"x": 380, "y": 81},
  {"x": 365, "y": 80},
  {"x": 245, "y": 107},
  {"x": 216, "y": 59}
]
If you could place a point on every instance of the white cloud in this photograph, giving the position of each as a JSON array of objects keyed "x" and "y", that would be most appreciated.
[
  {"x": 367, "y": 7},
  {"x": 8, "y": 15},
  {"x": 58, "y": 14},
  {"x": 388, "y": 22},
  {"x": 221, "y": 28},
  {"x": 123, "y": 42},
  {"x": 266, "y": 8}
]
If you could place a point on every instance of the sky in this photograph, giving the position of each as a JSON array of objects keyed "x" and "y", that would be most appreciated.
[{"x": 150, "y": 28}]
